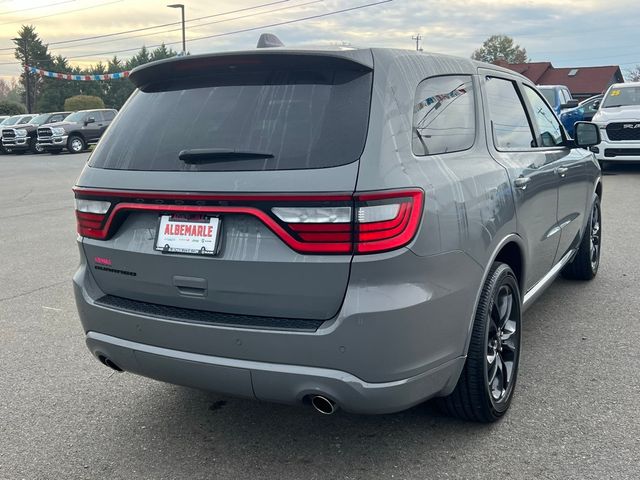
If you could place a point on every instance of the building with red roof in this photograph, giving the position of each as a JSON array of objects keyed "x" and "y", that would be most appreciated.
[{"x": 583, "y": 82}]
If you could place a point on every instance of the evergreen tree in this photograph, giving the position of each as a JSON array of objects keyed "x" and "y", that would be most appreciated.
[{"x": 31, "y": 51}]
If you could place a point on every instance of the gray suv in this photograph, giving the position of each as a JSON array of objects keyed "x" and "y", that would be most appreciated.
[{"x": 359, "y": 229}]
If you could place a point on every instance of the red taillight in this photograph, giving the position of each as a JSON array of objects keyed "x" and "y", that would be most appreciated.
[
  {"x": 90, "y": 216},
  {"x": 387, "y": 220},
  {"x": 310, "y": 224}
]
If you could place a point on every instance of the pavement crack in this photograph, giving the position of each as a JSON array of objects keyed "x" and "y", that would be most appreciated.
[{"x": 13, "y": 297}]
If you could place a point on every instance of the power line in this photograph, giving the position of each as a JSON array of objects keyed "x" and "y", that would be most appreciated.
[
  {"x": 62, "y": 13},
  {"x": 288, "y": 22},
  {"x": 193, "y": 27},
  {"x": 37, "y": 8},
  {"x": 170, "y": 24}
]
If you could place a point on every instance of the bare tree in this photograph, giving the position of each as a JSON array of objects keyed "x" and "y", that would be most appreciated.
[{"x": 633, "y": 75}]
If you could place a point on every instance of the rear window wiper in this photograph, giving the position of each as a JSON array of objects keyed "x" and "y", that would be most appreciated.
[{"x": 203, "y": 155}]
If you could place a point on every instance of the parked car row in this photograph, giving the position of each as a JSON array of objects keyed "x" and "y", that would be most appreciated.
[{"x": 54, "y": 132}]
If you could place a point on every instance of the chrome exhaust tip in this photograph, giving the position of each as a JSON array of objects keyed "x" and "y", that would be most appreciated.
[
  {"x": 109, "y": 363},
  {"x": 324, "y": 405}
]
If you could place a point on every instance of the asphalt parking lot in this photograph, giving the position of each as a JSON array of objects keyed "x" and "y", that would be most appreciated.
[{"x": 575, "y": 415}]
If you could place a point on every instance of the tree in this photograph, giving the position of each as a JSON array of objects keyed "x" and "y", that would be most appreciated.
[
  {"x": 500, "y": 47},
  {"x": 31, "y": 51},
  {"x": 11, "y": 108},
  {"x": 634, "y": 74},
  {"x": 83, "y": 102}
]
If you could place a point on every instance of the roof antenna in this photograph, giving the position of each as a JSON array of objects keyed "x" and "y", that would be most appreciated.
[{"x": 269, "y": 40}]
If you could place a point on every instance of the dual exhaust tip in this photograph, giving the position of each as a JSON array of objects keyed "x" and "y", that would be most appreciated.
[
  {"x": 109, "y": 363},
  {"x": 324, "y": 405}
]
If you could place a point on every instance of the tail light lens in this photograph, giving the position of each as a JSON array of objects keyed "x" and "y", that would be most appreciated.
[
  {"x": 90, "y": 215},
  {"x": 387, "y": 220},
  {"x": 310, "y": 224}
]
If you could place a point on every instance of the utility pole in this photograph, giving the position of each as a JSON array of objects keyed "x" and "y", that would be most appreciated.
[
  {"x": 184, "y": 38},
  {"x": 417, "y": 37},
  {"x": 26, "y": 72}
]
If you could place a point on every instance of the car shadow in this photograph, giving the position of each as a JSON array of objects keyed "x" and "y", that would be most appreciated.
[{"x": 622, "y": 168}]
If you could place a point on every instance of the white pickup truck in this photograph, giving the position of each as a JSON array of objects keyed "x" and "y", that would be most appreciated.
[{"x": 619, "y": 120}]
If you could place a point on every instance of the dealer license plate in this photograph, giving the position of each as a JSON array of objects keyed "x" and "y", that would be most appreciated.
[{"x": 193, "y": 234}]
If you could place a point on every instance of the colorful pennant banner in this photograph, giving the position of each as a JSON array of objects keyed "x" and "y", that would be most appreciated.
[{"x": 78, "y": 78}]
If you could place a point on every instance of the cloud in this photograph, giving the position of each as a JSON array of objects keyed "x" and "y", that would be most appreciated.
[{"x": 580, "y": 31}]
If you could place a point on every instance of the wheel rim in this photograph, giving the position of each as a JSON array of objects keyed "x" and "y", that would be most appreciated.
[
  {"x": 76, "y": 145},
  {"x": 503, "y": 342},
  {"x": 595, "y": 236}
]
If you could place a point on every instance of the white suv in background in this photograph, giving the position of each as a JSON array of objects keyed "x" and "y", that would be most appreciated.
[{"x": 619, "y": 120}]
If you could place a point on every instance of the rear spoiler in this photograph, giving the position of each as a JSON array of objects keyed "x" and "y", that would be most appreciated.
[{"x": 199, "y": 66}]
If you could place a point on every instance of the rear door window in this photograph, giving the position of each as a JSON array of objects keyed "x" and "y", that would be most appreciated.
[
  {"x": 444, "y": 118},
  {"x": 109, "y": 115},
  {"x": 509, "y": 122},
  {"x": 300, "y": 119},
  {"x": 548, "y": 125}
]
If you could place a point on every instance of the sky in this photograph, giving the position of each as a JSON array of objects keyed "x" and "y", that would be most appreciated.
[{"x": 571, "y": 33}]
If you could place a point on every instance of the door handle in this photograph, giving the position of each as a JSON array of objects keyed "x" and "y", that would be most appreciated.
[
  {"x": 562, "y": 171},
  {"x": 521, "y": 182}
]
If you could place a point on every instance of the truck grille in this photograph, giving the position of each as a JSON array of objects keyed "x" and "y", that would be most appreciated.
[
  {"x": 619, "y": 132},
  {"x": 44, "y": 132},
  {"x": 205, "y": 317},
  {"x": 8, "y": 133}
]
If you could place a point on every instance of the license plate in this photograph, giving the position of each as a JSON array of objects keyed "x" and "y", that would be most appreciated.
[{"x": 188, "y": 234}]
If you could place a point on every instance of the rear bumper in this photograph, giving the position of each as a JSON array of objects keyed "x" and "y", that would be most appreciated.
[
  {"x": 393, "y": 344},
  {"x": 271, "y": 382}
]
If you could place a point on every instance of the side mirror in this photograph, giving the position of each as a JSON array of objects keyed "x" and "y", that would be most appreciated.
[
  {"x": 596, "y": 105},
  {"x": 89, "y": 120},
  {"x": 569, "y": 104},
  {"x": 586, "y": 134}
]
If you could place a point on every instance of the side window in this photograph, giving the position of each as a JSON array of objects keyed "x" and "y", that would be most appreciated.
[
  {"x": 444, "y": 118},
  {"x": 509, "y": 122},
  {"x": 56, "y": 118},
  {"x": 548, "y": 125},
  {"x": 108, "y": 115},
  {"x": 97, "y": 115}
]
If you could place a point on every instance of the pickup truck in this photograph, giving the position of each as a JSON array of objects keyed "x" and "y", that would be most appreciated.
[{"x": 565, "y": 106}]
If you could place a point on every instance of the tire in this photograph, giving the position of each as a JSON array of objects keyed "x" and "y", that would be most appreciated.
[
  {"x": 76, "y": 144},
  {"x": 496, "y": 335},
  {"x": 34, "y": 148},
  {"x": 586, "y": 262}
]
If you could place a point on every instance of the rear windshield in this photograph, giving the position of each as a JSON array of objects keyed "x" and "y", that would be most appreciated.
[
  {"x": 292, "y": 119},
  {"x": 620, "y": 97},
  {"x": 549, "y": 94}
]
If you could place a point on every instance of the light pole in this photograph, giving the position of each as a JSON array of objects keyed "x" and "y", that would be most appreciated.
[
  {"x": 26, "y": 71},
  {"x": 184, "y": 40}
]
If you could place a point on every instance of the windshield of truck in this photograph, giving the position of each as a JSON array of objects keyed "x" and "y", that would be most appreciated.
[{"x": 622, "y": 96}]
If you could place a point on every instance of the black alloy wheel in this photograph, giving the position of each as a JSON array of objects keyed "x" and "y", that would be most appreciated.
[{"x": 485, "y": 387}]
